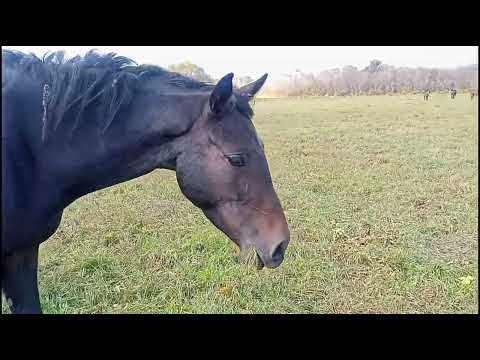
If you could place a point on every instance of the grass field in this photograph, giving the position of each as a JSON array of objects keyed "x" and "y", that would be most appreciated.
[{"x": 381, "y": 195}]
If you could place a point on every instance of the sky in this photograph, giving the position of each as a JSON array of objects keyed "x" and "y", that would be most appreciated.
[{"x": 277, "y": 61}]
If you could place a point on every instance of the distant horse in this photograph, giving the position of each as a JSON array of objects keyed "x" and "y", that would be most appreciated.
[
  {"x": 426, "y": 94},
  {"x": 453, "y": 93},
  {"x": 72, "y": 127},
  {"x": 473, "y": 93}
]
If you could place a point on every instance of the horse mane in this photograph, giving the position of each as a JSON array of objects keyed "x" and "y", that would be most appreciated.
[{"x": 103, "y": 83}]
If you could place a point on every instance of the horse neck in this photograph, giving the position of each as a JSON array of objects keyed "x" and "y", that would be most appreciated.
[{"x": 144, "y": 138}]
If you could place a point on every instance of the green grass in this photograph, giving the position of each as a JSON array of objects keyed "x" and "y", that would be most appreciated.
[{"x": 381, "y": 195}]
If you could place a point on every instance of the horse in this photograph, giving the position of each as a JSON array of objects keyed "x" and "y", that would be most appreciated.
[
  {"x": 453, "y": 93},
  {"x": 426, "y": 94},
  {"x": 74, "y": 126},
  {"x": 473, "y": 93}
]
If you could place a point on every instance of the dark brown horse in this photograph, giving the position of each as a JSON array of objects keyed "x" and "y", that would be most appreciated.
[
  {"x": 473, "y": 93},
  {"x": 71, "y": 127},
  {"x": 426, "y": 94},
  {"x": 453, "y": 93}
]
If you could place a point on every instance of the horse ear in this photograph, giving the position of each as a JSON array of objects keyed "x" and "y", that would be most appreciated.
[
  {"x": 251, "y": 89},
  {"x": 221, "y": 93}
]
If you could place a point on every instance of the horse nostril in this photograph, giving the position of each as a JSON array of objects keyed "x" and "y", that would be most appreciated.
[{"x": 279, "y": 251}]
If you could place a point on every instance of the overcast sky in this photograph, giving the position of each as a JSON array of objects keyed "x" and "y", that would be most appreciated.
[{"x": 279, "y": 60}]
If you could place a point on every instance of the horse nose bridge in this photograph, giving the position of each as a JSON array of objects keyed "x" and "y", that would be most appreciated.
[
  {"x": 273, "y": 229},
  {"x": 265, "y": 197}
]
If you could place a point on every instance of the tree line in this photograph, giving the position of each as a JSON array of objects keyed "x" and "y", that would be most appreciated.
[
  {"x": 375, "y": 79},
  {"x": 379, "y": 79}
]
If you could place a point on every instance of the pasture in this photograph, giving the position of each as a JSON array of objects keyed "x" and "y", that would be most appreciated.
[{"x": 380, "y": 192}]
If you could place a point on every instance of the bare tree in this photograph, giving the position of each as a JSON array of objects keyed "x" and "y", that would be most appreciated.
[
  {"x": 378, "y": 78},
  {"x": 243, "y": 80}
]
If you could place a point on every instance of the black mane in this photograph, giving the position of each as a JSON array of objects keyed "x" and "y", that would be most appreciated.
[{"x": 103, "y": 83}]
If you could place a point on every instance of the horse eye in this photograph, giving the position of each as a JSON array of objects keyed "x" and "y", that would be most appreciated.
[{"x": 237, "y": 159}]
